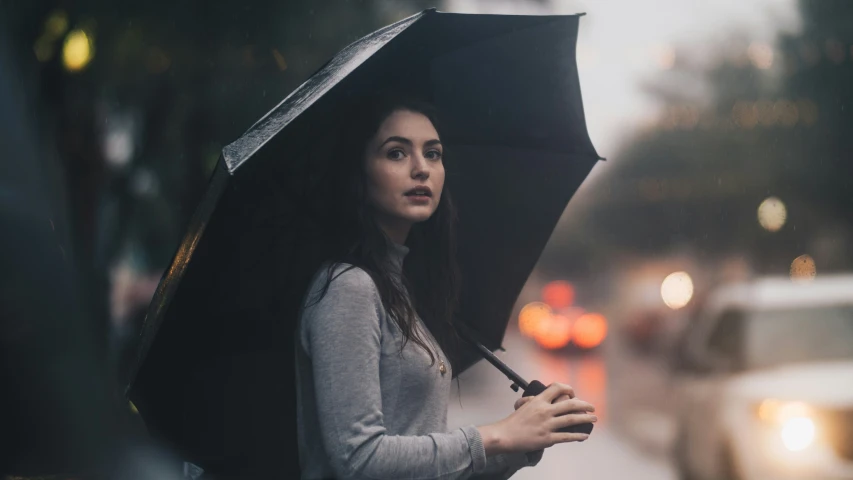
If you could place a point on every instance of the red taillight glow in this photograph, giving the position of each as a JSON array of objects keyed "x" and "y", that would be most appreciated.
[
  {"x": 589, "y": 330},
  {"x": 554, "y": 333},
  {"x": 558, "y": 294}
]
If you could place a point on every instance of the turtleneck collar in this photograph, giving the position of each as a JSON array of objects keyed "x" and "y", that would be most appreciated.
[{"x": 396, "y": 254}]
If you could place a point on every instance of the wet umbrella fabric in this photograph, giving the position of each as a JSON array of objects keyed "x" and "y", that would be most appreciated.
[{"x": 214, "y": 377}]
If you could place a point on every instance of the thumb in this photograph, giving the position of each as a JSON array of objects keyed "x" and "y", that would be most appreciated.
[{"x": 521, "y": 401}]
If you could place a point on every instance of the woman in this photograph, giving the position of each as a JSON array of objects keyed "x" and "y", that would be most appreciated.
[{"x": 373, "y": 348}]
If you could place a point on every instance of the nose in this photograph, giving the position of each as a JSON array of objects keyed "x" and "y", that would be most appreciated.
[{"x": 420, "y": 168}]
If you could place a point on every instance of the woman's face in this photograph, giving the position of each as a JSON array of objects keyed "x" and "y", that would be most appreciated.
[{"x": 405, "y": 173}]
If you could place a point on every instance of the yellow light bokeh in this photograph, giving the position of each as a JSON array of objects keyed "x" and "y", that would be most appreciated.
[
  {"x": 56, "y": 24},
  {"x": 803, "y": 269},
  {"x": 768, "y": 410},
  {"x": 77, "y": 51},
  {"x": 677, "y": 290},
  {"x": 777, "y": 411},
  {"x": 772, "y": 214},
  {"x": 531, "y": 316}
]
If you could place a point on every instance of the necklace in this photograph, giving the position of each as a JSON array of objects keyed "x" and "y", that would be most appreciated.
[{"x": 442, "y": 368}]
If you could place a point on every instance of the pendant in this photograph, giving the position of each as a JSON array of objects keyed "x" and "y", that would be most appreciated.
[{"x": 441, "y": 367}]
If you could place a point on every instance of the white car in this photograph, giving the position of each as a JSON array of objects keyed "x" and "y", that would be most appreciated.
[{"x": 764, "y": 382}]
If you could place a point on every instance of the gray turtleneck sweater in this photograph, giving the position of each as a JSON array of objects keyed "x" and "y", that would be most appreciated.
[{"x": 365, "y": 409}]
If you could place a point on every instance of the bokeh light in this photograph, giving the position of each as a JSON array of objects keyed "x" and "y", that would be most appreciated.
[
  {"x": 768, "y": 115},
  {"x": 745, "y": 114},
  {"x": 789, "y": 410},
  {"x": 54, "y": 28},
  {"x": 798, "y": 433},
  {"x": 803, "y": 269},
  {"x": 558, "y": 294},
  {"x": 677, "y": 290},
  {"x": 772, "y": 214},
  {"x": 531, "y": 316},
  {"x": 553, "y": 332},
  {"x": 788, "y": 112},
  {"x": 589, "y": 330},
  {"x": 43, "y": 49},
  {"x": 761, "y": 55},
  {"x": 279, "y": 59},
  {"x": 56, "y": 24},
  {"x": 777, "y": 411},
  {"x": 768, "y": 410},
  {"x": 77, "y": 51}
]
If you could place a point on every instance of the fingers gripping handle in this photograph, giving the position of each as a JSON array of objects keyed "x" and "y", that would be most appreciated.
[{"x": 535, "y": 388}]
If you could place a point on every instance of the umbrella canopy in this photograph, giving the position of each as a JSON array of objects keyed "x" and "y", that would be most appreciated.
[{"x": 214, "y": 361}]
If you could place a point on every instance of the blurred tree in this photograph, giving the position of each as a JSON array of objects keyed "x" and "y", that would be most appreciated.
[
  {"x": 778, "y": 123},
  {"x": 819, "y": 65}
]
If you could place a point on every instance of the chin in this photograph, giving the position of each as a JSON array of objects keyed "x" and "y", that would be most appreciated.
[{"x": 419, "y": 216}]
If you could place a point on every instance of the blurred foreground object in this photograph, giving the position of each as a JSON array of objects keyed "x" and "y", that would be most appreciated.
[
  {"x": 764, "y": 382},
  {"x": 58, "y": 416},
  {"x": 54, "y": 392}
]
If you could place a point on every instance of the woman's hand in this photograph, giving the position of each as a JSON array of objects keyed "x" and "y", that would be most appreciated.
[
  {"x": 523, "y": 400},
  {"x": 534, "y": 424},
  {"x": 566, "y": 396}
]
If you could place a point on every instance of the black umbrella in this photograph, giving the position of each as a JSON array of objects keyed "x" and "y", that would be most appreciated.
[{"x": 214, "y": 361}]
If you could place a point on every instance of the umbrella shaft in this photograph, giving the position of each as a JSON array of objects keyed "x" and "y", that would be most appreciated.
[{"x": 488, "y": 355}]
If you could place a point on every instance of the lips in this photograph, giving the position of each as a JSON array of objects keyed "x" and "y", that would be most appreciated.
[{"x": 419, "y": 191}]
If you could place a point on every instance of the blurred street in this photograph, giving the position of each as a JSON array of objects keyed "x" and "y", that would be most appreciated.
[{"x": 614, "y": 450}]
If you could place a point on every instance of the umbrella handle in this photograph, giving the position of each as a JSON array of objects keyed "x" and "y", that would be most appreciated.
[
  {"x": 536, "y": 387},
  {"x": 530, "y": 389}
]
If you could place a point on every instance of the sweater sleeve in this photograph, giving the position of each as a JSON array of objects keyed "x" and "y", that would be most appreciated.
[
  {"x": 505, "y": 465},
  {"x": 342, "y": 335}
]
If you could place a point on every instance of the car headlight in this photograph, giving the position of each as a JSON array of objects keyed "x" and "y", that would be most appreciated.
[
  {"x": 798, "y": 433},
  {"x": 794, "y": 422}
]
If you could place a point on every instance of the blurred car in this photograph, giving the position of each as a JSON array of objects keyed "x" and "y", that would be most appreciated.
[{"x": 764, "y": 382}]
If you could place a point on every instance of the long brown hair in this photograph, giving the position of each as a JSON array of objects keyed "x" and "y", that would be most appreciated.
[{"x": 430, "y": 286}]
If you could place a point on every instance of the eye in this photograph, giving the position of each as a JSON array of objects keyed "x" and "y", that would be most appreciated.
[
  {"x": 396, "y": 154},
  {"x": 434, "y": 155}
]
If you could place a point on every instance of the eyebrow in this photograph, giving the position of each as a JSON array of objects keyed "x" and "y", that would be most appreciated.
[{"x": 405, "y": 140}]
